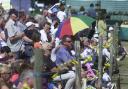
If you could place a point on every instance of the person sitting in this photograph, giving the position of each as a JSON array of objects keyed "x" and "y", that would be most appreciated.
[
  {"x": 26, "y": 80},
  {"x": 63, "y": 58}
]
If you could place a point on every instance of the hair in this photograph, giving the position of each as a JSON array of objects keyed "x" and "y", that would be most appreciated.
[
  {"x": 13, "y": 11},
  {"x": 21, "y": 14},
  {"x": 65, "y": 37},
  {"x": 101, "y": 14},
  {"x": 91, "y": 5},
  {"x": 61, "y": 6},
  {"x": 5, "y": 49},
  {"x": 36, "y": 36},
  {"x": 47, "y": 23},
  {"x": 26, "y": 74}
]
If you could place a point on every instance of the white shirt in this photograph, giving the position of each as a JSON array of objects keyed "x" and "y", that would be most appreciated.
[
  {"x": 87, "y": 52},
  {"x": 61, "y": 15},
  {"x": 106, "y": 77},
  {"x": 43, "y": 36},
  {"x": 106, "y": 53},
  {"x": 13, "y": 30},
  {"x": 53, "y": 31}
]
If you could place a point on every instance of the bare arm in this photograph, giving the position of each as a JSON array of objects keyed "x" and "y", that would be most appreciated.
[
  {"x": 2, "y": 36},
  {"x": 25, "y": 38}
]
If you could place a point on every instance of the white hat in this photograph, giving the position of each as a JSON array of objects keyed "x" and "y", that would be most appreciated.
[
  {"x": 111, "y": 28},
  {"x": 28, "y": 24}
]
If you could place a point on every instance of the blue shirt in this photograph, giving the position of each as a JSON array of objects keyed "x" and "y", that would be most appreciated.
[
  {"x": 63, "y": 56},
  {"x": 92, "y": 12}
]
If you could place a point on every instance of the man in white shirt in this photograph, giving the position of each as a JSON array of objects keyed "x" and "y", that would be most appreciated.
[
  {"x": 15, "y": 36},
  {"x": 61, "y": 15},
  {"x": 44, "y": 32}
]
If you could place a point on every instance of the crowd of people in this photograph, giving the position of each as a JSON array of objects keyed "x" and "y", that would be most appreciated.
[{"x": 20, "y": 34}]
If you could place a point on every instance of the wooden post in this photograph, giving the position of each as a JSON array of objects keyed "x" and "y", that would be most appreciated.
[
  {"x": 78, "y": 67},
  {"x": 38, "y": 56},
  {"x": 116, "y": 37},
  {"x": 100, "y": 67},
  {"x": 111, "y": 59},
  {"x": 115, "y": 46}
]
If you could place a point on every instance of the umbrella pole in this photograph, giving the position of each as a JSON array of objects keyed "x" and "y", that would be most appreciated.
[
  {"x": 38, "y": 56},
  {"x": 78, "y": 67}
]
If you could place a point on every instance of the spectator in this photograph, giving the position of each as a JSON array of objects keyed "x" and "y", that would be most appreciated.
[
  {"x": 63, "y": 56},
  {"x": 61, "y": 15},
  {"x": 26, "y": 80},
  {"x": 102, "y": 27},
  {"x": 45, "y": 32},
  {"x": 4, "y": 78},
  {"x": 15, "y": 35},
  {"x": 30, "y": 29},
  {"x": 22, "y": 19},
  {"x": 54, "y": 28},
  {"x": 5, "y": 54},
  {"x": 14, "y": 40},
  {"x": 91, "y": 11}
]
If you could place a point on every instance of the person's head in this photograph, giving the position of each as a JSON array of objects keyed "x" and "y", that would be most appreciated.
[
  {"x": 67, "y": 41},
  {"x": 45, "y": 12},
  {"x": 28, "y": 77},
  {"x": 62, "y": 7},
  {"x": 47, "y": 27},
  {"x": 91, "y": 5},
  {"x": 5, "y": 72},
  {"x": 5, "y": 49},
  {"x": 94, "y": 42},
  {"x": 102, "y": 14},
  {"x": 86, "y": 43},
  {"x": 36, "y": 36},
  {"x": 22, "y": 16},
  {"x": 13, "y": 14}
]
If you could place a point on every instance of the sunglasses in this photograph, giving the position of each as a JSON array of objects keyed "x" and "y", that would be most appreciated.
[{"x": 69, "y": 41}]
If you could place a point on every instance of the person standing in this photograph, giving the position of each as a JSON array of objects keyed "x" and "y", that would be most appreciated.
[
  {"x": 61, "y": 15},
  {"x": 91, "y": 11},
  {"x": 102, "y": 27}
]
